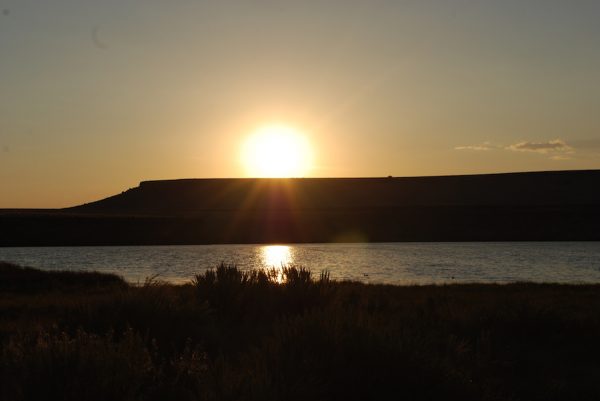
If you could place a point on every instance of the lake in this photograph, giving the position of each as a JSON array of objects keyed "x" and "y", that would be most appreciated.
[{"x": 393, "y": 263}]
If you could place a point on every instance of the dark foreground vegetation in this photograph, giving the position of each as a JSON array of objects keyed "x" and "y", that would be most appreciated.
[{"x": 234, "y": 335}]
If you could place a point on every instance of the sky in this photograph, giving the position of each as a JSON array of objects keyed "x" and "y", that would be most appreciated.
[{"x": 96, "y": 96}]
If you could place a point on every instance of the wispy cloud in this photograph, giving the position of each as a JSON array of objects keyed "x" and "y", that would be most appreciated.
[
  {"x": 481, "y": 147},
  {"x": 556, "y": 149},
  {"x": 553, "y": 146},
  {"x": 560, "y": 157}
]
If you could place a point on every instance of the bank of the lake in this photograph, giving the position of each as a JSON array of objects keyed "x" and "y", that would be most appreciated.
[{"x": 253, "y": 335}]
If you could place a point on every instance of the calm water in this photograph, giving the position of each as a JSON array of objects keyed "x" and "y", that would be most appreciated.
[{"x": 398, "y": 263}]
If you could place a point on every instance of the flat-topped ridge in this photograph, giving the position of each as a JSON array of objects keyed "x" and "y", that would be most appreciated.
[
  {"x": 540, "y": 206},
  {"x": 182, "y": 196}
]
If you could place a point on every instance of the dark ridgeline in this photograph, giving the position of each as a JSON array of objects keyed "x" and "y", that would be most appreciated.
[{"x": 562, "y": 205}]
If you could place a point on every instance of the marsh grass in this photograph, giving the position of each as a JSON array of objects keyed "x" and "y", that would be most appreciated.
[{"x": 286, "y": 335}]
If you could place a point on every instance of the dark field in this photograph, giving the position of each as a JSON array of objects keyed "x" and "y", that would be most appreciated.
[{"x": 231, "y": 335}]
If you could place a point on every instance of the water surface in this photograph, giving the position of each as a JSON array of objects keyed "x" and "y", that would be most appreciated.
[{"x": 396, "y": 263}]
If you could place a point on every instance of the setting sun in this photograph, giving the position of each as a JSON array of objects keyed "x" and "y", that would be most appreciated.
[{"x": 277, "y": 151}]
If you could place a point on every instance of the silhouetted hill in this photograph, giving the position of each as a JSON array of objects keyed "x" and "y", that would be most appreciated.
[
  {"x": 540, "y": 206},
  {"x": 190, "y": 196}
]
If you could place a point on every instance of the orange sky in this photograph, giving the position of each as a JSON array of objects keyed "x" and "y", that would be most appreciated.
[{"x": 97, "y": 96}]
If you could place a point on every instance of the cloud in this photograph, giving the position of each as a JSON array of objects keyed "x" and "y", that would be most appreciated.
[
  {"x": 482, "y": 147},
  {"x": 560, "y": 157},
  {"x": 556, "y": 149},
  {"x": 98, "y": 43},
  {"x": 553, "y": 146},
  {"x": 472, "y": 147}
]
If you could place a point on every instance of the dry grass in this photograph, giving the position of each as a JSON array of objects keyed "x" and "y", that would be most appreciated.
[{"x": 266, "y": 335}]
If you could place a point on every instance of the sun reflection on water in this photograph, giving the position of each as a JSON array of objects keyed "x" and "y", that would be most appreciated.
[{"x": 276, "y": 257}]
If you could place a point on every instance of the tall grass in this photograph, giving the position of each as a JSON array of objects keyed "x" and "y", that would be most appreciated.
[{"x": 285, "y": 335}]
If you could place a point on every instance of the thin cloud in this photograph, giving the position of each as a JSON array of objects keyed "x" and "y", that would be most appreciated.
[
  {"x": 98, "y": 43},
  {"x": 553, "y": 146},
  {"x": 472, "y": 147},
  {"x": 482, "y": 147},
  {"x": 560, "y": 157},
  {"x": 556, "y": 149}
]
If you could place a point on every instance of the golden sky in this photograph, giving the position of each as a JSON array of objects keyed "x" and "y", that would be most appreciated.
[{"x": 97, "y": 96}]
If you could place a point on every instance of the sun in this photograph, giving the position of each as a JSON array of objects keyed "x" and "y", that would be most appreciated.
[{"x": 277, "y": 151}]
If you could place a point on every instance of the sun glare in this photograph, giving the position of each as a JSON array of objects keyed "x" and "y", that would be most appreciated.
[
  {"x": 277, "y": 151},
  {"x": 277, "y": 257}
]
